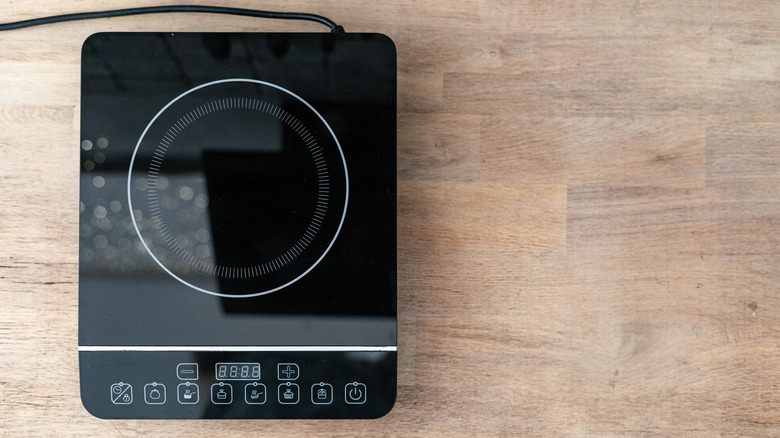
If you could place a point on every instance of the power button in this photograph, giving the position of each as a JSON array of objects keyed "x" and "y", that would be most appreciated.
[{"x": 355, "y": 393}]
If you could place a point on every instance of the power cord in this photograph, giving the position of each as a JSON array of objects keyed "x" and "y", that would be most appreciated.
[{"x": 334, "y": 28}]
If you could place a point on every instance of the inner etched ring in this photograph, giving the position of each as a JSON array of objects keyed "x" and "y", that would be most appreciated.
[
  {"x": 192, "y": 117},
  {"x": 318, "y": 154}
]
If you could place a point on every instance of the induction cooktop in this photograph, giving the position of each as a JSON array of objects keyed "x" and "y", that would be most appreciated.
[{"x": 237, "y": 243}]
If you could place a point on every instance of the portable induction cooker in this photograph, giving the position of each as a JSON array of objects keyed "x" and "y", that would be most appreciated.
[{"x": 237, "y": 244}]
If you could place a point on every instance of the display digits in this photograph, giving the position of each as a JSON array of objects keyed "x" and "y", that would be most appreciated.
[{"x": 238, "y": 371}]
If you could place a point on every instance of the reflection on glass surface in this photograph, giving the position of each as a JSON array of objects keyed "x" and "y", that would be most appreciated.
[{"x": 230, "y": 196}]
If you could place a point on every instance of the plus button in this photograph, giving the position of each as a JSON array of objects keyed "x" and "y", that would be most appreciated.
[{"x": 287, "y": 371}]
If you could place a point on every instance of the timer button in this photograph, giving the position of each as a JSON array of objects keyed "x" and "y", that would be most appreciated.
[
  {"x": 355, "y": 393},
  {"x": 121, "y": 393}
]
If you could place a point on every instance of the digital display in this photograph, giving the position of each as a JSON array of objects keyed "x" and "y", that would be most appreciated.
[{"x": 238, "y": 371}]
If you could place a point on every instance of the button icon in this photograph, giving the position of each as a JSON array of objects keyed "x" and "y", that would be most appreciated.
[
  {"x": 221, "y": 393},
  {"x": 254, "y": 393},
  {"x": 287, "y": 371},
  {"x": 187, "y": 371},
  {"x": 321, "y": 393},
  {"x": 289, "y": 393},
  {"x": 154, "y": 393},
  {"x": 121, "y": 393},
  {"x": 355, "y": 393},
  {"x": 188, "y": 393}
]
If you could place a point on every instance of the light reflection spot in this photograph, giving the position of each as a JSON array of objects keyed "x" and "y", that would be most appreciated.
[
  {"x": 87, "y": 255},
  {"x": 104, "y": 224},
  {"x": 186, "y": 193},
  {"x": 100, "y": 241},
  {"x": 202, "y": 201},
  {"x": 86, "y": 230},
  {"x": 141, "y": 184},
  {"x": 203, "y": 251},
  {"x": 202, "y": 235},
  {"x": 162, "y": 183},
  {"x": 183, "y": 240},
  {"x": 100, "y": 212}
]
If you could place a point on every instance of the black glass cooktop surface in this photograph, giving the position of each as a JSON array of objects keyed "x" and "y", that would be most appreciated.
[{"x": 237, "y": 245}]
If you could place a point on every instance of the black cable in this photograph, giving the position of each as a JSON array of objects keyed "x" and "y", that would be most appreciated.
[{"x": 335, "y": 28}]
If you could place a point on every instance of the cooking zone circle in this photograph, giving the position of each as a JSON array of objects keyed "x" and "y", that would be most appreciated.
[{"x": 238, "y": 188}]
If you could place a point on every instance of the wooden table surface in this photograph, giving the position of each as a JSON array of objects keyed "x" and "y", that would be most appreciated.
[{"x": 588, "y": 216}]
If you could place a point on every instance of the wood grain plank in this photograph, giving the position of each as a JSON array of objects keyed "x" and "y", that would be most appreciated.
[
  {"x": 39, "y": 149},
  {"x": 472, "y": 216},
  {"x": 742, "y": 162},
  {"x": 599, "y": 151},
  {"x": 430, "y": 149},
  {"x": 643, "y": 220}
]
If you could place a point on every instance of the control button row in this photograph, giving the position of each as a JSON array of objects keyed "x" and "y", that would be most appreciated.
[
  {"x": 284, "y": 371},
  {"x": 188, "y": 393}
]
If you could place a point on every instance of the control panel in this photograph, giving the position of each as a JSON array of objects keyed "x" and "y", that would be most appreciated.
[{"x": 238, "y": 384}]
